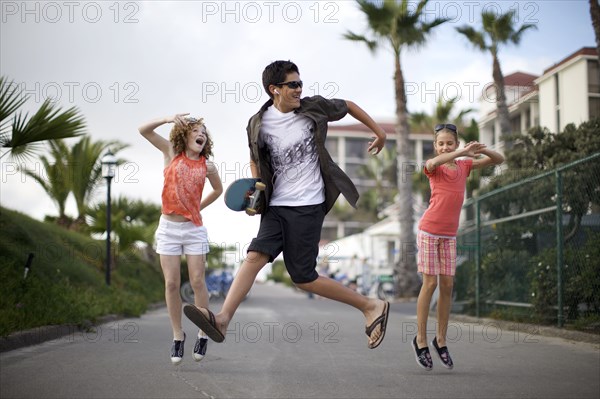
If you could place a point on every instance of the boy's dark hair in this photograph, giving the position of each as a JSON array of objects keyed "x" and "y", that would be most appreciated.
[{"x": 275, "y": 73}]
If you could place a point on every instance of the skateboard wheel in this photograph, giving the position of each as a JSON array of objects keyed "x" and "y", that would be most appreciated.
[
  {"x": 260, "y": 186},
  {"x": 251, "y": 211}
]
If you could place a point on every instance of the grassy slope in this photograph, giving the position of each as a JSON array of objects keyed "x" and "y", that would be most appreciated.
[{"x": 66, "y": 283}]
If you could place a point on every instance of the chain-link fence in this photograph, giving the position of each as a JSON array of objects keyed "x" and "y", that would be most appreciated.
[{"x": 530, "y": 251}]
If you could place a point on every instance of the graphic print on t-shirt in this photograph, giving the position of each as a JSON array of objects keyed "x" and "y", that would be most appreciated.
[
  {"x": 290, "y": 154},
  {"x": 294, "y": 158}
]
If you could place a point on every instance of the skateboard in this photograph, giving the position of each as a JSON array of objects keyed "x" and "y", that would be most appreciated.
[{"x": 244, "y": 194}]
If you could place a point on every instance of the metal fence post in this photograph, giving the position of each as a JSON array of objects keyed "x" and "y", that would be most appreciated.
[{"x": 559, "y": 248}]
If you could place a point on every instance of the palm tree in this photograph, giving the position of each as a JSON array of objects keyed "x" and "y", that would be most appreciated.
[
  {"x": 125, "y": 226},
  {"x": 497, "y": 30},
  {"x": 22, "y": 134},
  {"x": 56, "y": 179},
  {"x": 84, "y": 159},
  {"x": 399, "y": 26}
]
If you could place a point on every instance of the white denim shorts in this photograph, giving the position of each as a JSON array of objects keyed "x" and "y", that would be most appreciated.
[{"x": 180, "y": 238}]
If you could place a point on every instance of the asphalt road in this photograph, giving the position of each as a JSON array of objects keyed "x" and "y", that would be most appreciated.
[{"x": 283, "y": 345}]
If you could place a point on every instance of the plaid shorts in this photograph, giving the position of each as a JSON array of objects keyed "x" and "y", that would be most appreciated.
[{"x": 436, "y": 255}]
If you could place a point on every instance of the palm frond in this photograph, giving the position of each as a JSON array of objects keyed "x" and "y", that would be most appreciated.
[
  {"x": 371, "y": 44},
  {"x": 11, "y": 99},
  {"x": 476, "y": 38},
  {"x": 378, "y": 16},
  {"x": 48, "y": 123},
  {"x": 516, "y": 36}
]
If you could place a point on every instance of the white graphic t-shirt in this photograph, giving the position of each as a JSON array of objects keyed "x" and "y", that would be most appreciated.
[{"x": 290, "y": 140}]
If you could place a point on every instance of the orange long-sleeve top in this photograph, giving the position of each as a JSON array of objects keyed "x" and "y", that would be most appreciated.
[
  {"x": 183, "y": 184},
  {"x": 447, "y": 196}
]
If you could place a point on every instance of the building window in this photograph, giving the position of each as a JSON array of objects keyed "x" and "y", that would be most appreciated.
[
  {"x": 557, "y": 90},
  {"x": 515, "y": 124},
  {"x": 332, "y": 145},
  {"x": 427, "y": 149},
  {"x": 594, "y": 107},
  {"x": 356, "y": 148},
  {"x": 593, "y": 77},
  {"x": 356, "y": 171}
]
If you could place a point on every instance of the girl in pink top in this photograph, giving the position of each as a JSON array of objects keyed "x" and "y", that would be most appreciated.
[
  {"x": 436, "y": 238},
  {"x": 180, "y": 230}
]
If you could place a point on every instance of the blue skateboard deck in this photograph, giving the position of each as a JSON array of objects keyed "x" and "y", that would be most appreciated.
[{"x": 244, "y": 195}]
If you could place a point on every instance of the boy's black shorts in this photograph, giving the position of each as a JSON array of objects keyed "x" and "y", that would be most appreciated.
[{"x": 295, "y": 231}]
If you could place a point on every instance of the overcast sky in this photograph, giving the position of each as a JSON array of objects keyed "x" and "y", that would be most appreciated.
[{"x": 122, "y": 63}]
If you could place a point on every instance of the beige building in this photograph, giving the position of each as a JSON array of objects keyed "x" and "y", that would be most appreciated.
[{"x": 567, "y": 92}]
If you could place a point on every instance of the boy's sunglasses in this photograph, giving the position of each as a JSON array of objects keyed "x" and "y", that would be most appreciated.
[
  {"x": 449, "y": 126},
  {"x": 294, "y": 84}
]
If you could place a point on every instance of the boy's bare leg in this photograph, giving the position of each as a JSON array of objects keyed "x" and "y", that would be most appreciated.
[
  {"x": 423, "y": 302},
  {"x": 329, "y": 288},
  {"x": 443, "y": 308},
  {"x": 240, "y": 287}
]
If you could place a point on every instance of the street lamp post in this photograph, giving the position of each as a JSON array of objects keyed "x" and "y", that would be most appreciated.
[{"x": 109, "y": 163}]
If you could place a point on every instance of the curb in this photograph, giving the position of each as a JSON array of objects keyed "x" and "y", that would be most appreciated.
[
  {"x": 532, "y": 329},
  {"x": 38, "y": 335}
]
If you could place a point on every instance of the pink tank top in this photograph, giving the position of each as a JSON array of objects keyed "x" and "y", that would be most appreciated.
[{"x": 182, "y": 190}]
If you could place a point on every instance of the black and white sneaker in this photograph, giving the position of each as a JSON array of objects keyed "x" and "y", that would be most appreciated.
[
  {"x": 200, "y": 348},
  {"x": 422, "y": 356},
  {"x": 177, "y": 351},
  {"x": 443, "y": 354}
]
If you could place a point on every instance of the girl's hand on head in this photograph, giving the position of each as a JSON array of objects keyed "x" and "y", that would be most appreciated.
[{"x": 178, "y": 119}]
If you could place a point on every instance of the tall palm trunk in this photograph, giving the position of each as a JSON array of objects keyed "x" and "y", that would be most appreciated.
[
  {"x": 503, "y": 116},
  {"x": 595, "y": 14},
  {"x": 406, "y": 266}
]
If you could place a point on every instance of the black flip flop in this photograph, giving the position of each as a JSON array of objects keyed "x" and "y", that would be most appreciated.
[
  {"x": 382, "y": 319},
  {"x": 208, "y": 325}
]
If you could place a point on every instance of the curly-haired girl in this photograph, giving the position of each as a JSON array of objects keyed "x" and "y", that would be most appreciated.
[{"x": 180, "y": 230}]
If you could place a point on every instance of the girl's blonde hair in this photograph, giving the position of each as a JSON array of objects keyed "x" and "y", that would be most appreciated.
[{"x": 179, "y": 135}]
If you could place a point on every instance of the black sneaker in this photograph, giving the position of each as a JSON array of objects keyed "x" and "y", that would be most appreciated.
[
  {"x": 177, "y": 351},
  {"x": 200, "y": 348},
  {"x": 443, "y": 354},
  {"x": 422, "y": 356}
]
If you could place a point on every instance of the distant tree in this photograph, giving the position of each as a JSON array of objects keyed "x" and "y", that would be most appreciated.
[
  {"x": 85, "y": 160},
  {"x": 55, "y": 179},
  {"x": 127, "y": 225},
  {"x": 540, "y": 150},
  {"x": 497, "y": 30}
]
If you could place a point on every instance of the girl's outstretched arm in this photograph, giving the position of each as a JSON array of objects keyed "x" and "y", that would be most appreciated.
[{"x": 470, "y": 150}]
